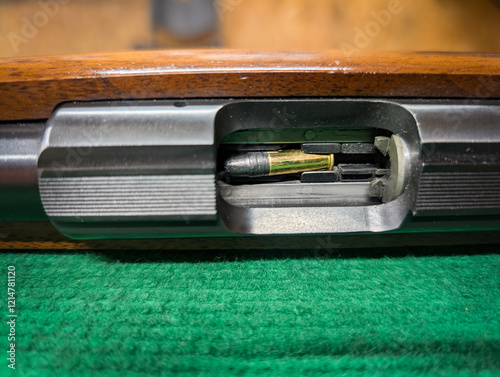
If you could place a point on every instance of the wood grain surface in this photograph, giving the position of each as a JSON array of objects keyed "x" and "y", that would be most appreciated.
[{"x": 32, "y": 87}]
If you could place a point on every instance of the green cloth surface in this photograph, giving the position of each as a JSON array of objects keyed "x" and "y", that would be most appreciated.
[{"x": 204, "y": 314}]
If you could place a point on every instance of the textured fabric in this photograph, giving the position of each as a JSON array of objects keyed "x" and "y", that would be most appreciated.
[{"x": 135, "y": 314}]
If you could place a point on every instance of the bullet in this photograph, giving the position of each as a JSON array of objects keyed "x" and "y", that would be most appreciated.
[{"x": 261, "y": 164}]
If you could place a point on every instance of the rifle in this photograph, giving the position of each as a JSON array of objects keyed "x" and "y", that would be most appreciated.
[{"x": 393, "y": 146}]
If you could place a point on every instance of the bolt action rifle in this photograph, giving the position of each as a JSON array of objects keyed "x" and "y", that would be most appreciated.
[{"x": 401, "y": 148}]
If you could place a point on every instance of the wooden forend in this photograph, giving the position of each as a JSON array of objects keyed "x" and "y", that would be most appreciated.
[{"x": 32, "y": 87}]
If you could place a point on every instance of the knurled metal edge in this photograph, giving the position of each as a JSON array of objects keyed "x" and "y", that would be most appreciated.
[
  {"x": 452, "y": 191},
  {"x": 129, "y": 196}
]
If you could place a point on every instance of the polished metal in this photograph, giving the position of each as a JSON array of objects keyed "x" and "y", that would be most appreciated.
[
  {"x": 127, "y": 164},
  {"x": 150, "y": 169},
  {"x": 460, "y": 158},
  {"x": 296, "y": 194},
  {"x": 19, "y": 150}
]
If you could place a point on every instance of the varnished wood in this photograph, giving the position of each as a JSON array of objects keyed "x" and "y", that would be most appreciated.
[{"x": 31, "y": 87}]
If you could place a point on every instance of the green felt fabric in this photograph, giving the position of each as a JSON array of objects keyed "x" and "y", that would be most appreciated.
[{"x": 140, "y": 314}]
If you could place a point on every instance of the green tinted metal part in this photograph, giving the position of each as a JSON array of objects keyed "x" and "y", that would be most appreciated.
[{"x": 302, "y": 135}]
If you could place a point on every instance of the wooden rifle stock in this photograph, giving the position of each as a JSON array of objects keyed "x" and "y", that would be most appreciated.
[{"x": 33, "y": 87}]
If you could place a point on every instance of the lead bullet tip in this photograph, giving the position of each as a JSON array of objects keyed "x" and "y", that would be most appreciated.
[{"x": 253, "y": 164}]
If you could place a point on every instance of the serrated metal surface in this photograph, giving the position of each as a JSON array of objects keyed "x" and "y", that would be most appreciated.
[
  {"x": 452, "y": 191},
  {"x": 129, "y": 196}
]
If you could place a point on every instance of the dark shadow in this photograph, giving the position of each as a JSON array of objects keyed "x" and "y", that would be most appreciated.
[
  {"x": 190, "y": 256},
  {"x": 214, "y": 256}
]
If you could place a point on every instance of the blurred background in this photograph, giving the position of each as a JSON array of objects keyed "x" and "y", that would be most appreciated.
[{"x": 41, "y": 27}]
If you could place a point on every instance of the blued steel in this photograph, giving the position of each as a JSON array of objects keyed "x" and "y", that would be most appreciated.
[{"x": 149, "y": 168}]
